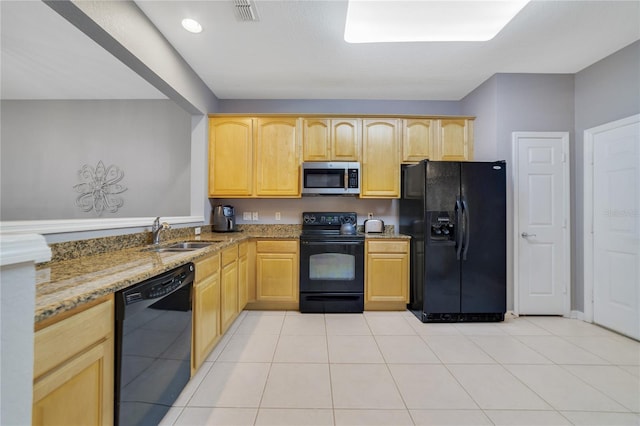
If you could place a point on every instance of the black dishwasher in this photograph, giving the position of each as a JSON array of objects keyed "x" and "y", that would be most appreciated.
[{"x": 153, "y": 346}]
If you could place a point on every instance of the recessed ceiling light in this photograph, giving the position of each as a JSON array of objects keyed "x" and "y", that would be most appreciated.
[
  {"x": 427, "y": 20},
  {"x": 191, "y": 25}
]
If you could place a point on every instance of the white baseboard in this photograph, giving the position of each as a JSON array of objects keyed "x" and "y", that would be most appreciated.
[{"x": 577, "y": 315}]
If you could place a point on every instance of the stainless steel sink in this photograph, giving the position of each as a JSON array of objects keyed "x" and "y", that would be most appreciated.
[
  {"x": 166, "y": 249},
  {"x": 181, "y": 246},
  {"x": 194, "y": 245}
]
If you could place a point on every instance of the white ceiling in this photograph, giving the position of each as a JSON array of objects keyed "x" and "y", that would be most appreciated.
[
  {"x": 296, "y": 51},
  {"x": 45, "y": 57}
]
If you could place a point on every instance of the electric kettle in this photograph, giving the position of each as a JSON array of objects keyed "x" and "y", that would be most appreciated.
[{"x": 224, "y": 218}]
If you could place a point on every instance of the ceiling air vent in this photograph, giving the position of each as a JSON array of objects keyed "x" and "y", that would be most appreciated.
[{"x": 246, "y": 10}]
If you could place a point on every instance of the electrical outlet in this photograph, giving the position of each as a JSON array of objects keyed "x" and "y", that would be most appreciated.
[
  {"x": 198, "y": 230},
  {"x": 255, "y": 215},
  {"x": 369, "y": 215},
  {"x": 246, "y": 216},
  {"x": 278, "y": 216}
]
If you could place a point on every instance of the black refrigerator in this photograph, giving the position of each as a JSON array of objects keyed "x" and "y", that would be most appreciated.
[{"x": 455, "y": 213}]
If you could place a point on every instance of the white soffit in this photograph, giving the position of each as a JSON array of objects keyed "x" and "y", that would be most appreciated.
[{"x": 432, "y": 20}]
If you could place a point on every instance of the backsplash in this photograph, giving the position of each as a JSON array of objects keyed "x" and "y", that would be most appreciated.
[{"x": 74, "y": 249}]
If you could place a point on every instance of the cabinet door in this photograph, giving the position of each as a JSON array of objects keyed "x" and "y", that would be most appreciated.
[
  {"x": 80, "y": 392},
  {"x": 345, "y": 139},
  {"x": 243, "y": 275},
  {"x": 277, "y": 157},
  {"x": 380, "y": 159},
  {"x": 387, "y": 274},
  {"x": 417, "y": 139},
  {"x": 74, "y": 368},
  {"x": 230, "y": 157},
  {"x": 454, "y": 140},
  {"x": 228, "y": 288},
  {"x": 387, "y": 277},
  {"x": 206, "y": 315},
  {"x": 276, "y": 277},
  {"x": 316, "y": 139}
]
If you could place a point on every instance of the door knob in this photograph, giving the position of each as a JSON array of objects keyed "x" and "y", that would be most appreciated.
[{"x": 525, "y": 235}]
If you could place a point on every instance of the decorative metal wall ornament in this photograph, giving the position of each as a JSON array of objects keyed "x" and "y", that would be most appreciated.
[{"x": 98, "y": 188}]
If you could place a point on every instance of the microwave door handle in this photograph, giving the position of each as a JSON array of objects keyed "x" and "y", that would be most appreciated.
[{"x": 346, "y": 179}]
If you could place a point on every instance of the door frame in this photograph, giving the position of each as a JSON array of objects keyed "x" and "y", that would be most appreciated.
[
  {"x": 587, "y": 230},
  {"x": 566, "y": 206}
]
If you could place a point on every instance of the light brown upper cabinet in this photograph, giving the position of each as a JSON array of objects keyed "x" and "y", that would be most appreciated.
[
  {"x": 277, "y": 157},
  {"x": 455, "y": 140},
  {"x": 417, "y": 139},
  {"x": 231, "y": 157},
  {"x": 335, "y": 139},
  {"x": 380, "y": 158}
]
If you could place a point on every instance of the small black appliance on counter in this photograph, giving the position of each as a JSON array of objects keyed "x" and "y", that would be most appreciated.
[{"x": 224, "y": 218}]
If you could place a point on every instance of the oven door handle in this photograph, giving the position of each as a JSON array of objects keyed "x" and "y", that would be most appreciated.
[{"x": 332, "y": 243}]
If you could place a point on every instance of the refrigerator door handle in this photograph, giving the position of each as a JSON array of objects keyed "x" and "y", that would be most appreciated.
[
  {"x": 467, "y": 234},
  {"x": 458, "y": 230}
]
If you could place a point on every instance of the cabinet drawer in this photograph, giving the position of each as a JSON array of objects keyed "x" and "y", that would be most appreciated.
[
  {"x": 289, "y": 246},
  {"x": 387, "y": 246},
  {"x": 229, "y": 255},
  {"x": 62, "y": 340},
  {"x": 207, "y": 267}
]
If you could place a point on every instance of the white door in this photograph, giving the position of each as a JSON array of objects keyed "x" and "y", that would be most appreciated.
[
  {"x": 616, "y": 229},
  {"x": 541, "y": 223}
]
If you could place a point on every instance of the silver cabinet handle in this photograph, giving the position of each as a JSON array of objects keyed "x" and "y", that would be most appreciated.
[{"x": 525, "y": 235}]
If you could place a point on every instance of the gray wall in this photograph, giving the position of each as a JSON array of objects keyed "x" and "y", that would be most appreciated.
[
  {"x": 517, "y": 102},
  {"x": 332, "y": 106},
  {"x": 45, "y": 143},
  {"x": 483, "y": 103},
  {"x": 605, "y": 91}
]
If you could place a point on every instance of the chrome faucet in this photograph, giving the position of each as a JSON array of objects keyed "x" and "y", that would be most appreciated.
[{"x": 156, "y": 228}]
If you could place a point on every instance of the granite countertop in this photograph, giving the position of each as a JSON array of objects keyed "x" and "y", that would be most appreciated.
[{"x": 66, "y": 284}]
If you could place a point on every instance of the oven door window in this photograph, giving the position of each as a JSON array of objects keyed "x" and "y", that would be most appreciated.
[{"x": 332, "y": 267}]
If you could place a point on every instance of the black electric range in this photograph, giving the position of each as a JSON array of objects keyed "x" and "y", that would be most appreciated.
[{"x": 331, "y": 264}]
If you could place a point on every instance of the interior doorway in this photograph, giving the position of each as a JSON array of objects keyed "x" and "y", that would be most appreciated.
[
  {"x": 612, "y": 226},
  {"x": 541, "y": 223}
]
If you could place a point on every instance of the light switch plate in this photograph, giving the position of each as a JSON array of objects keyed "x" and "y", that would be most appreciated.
[
  {"x": 246, "y": 216},
  {"x": 278, "y": 217},
  {"x": 255, "y": 215}
]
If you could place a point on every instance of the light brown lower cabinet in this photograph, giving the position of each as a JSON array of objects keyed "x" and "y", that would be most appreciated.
[
  {"x": 243, "y": 275},
  {"x": 386, "y": 274},
  {"x": 73, "y": 367},
  {"x": 277, "y": 274},
  {"x": 206, "y": 309},
  {"x": 228, "y": 287}
]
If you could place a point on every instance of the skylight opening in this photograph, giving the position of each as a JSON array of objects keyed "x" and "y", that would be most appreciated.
[{"x": 384, "y": 21}]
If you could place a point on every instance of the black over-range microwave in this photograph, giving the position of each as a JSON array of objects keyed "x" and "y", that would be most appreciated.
[{"x": 331, "y": 178}]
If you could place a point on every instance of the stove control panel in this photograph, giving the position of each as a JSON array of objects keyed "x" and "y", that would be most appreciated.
[{"x": 328, "y": 218}]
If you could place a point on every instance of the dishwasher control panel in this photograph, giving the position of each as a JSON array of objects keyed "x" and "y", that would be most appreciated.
[{"x": 159, "y": 286}]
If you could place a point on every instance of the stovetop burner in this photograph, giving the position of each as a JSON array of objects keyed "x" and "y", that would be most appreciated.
[
  {"x": 328, "y": 219},
  {"x": 319, "y": 225}
]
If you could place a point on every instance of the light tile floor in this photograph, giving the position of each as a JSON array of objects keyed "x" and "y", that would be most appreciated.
[{"x": 388, "y": 368}]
